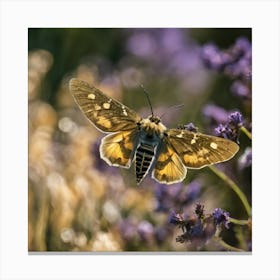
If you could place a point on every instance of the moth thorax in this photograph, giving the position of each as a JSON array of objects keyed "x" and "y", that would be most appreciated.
[
  {"x": 144, "y": 158},
  {"x": 152, "y": 127}
]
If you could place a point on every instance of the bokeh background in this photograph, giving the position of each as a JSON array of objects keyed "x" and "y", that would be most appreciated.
[{"x": 79, "y": 203}]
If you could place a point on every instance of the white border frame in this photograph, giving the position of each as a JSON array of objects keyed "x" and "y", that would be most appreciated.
[{"x": 17, "y": 16}]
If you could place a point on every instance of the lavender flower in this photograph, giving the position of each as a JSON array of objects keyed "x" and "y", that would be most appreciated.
[
  {"x": 200, "y": 227},
  {"x": 241, "y": 63},
  {"x": 197, "y": 230},
  {"x": 235, "y": 119},
  {"x": 215, "y": 113},
  {"x": 127, "y": 229},
  {"x": 230, "y": 130},
  {"x": 241, "y": 89},
  {"x": 212, "y": 57},
  {"x": 133, "y": 232},
  {"x": 221, "y": 217},
  {"x": 146, "y": 231},
  {"x": 176, "y": 196},
  {"x": 199, "y": 211},
  {"x": 195, "y": 233},
  {"x": 141, "y": 44},
  {"x": 235, "y": 62},
  {"x": 191, "y": 192},
  {"x": 176, "y": 218},
  {"x": 161, "y": 233},
  {"x": 166, "y": 196},
  {"x": 190, "y": 127},
  {"x": 223, "y": 131},
  {"x": 168, "y": 47}
]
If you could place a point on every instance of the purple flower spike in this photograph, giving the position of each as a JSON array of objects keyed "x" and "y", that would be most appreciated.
[
  {"x": 242, "y": 44},
  {"x": 231, "y": 129},
  {"x": 236, "y": 119},
  {"x": 211, "y": 56},
  {"x": 215, "y": 113},
  {"x": 145, "y": 230},
  {"x": 197, "y": 230},
  {"x": 127, "y": 229},
  {"x": 240, "y": 89},
  {"x": 191, "y": 127},
  {"x": 142, "y": 44},
  {"x": 223, "y": 131},
  {"x": 176, "y": 218},
  {"x": 235, "y": 62},
  {"x": 199, "y": 211},
  {"x": 221, "y": 217}
]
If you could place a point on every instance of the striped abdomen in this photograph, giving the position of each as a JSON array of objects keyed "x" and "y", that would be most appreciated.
[{"x": 144, "y": 156}]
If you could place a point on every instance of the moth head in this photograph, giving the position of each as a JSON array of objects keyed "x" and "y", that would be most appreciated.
[{"x": 154, "y": 119}]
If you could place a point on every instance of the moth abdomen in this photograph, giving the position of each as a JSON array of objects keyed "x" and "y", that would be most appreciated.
[{"x": 144, "y": 157}]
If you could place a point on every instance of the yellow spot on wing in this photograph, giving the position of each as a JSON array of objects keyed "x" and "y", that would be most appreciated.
[
  {"x": 91, "y": 96},
  {"x": 203, "y": 152},
  {"x": 190, "y": 159},
  {"x": 193, "y": 141},
  {"x": 180, "y": 135},
  {"x": 124, "y": 111},
  {"x": 106, "y": 105},
  {"x": 104, "y": 122},
  {"x": 213, "y": 145}
]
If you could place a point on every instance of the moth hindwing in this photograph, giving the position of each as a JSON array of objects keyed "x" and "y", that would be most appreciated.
[{"x": 166, "y": 153}]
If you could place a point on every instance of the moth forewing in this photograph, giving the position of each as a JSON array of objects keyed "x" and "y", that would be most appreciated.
[
  {"x": 198, "y": 150},
  {"x": 105, "y": 113}
]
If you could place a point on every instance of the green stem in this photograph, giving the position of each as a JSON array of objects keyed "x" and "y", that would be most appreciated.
[
  {"x": 227, "y": 246},
  {"x": 234, "y": 187},
  {"x": 239, "y": 222},
  {"x": 245, "y": 131}
]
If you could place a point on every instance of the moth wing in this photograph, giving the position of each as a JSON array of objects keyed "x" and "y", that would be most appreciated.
[
  {"x": 104, "y": 112},
  {"x": 197, "y": 150},
  {"x": 169, "y": 168},
  {"x": 117, "y": 148}
]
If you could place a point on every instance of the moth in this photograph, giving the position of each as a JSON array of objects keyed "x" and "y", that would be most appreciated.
[{"x": 166, "y": 153}]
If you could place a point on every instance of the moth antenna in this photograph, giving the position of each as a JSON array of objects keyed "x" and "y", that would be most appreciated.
[
  {"x": 178, "y": 106},
  {"x": 147, "y": 95}
]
